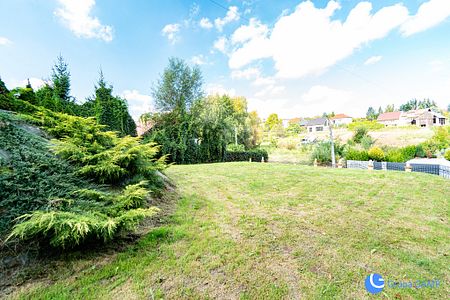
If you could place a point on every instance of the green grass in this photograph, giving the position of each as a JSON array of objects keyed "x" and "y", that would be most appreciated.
[{"x": 272, "y": 231}]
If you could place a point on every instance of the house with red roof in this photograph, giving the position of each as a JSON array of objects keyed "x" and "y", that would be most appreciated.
[
  {"x": 341, "y": 119},
  {"x": 419, "y": 117},
  {"x": 393, "y": 118}
]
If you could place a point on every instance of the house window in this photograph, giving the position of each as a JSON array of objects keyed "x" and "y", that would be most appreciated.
[
  {"x": 319, "y": 128},
  {"x": 434, "y": 120},
  {"x": 310, "y": 129},
  {"x": 442, "y": 121}
]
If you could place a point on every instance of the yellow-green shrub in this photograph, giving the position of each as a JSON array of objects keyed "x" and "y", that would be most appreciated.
[{"x": 376, "y": 153}]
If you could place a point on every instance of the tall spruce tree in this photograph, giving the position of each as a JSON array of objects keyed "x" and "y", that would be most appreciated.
[
  {"x": 110, "y": 110},
  {"x": 61, "y": 86}
]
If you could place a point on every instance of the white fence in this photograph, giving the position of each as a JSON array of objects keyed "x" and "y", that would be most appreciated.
[{"x": 440, "y": 170}]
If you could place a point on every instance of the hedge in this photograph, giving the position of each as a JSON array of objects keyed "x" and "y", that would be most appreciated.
[{"x": 256, "y": 155}]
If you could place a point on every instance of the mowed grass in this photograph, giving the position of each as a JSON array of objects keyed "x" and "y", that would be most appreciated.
[{"x": 272, "y": 231}]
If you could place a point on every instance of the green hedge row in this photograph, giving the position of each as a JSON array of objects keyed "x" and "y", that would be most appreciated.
[
  {"x": 256, "y": 155},
  {"x": 391, "y": 155}
]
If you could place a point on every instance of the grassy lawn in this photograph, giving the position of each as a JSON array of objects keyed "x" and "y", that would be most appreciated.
[{"x": 272, "y": 231}]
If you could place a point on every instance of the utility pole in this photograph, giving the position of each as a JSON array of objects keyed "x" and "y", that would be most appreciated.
[{"x": 333, "y": 157}]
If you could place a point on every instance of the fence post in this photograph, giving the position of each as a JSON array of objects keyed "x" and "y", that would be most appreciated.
[
  {"x": 384, "y": 166},
  {"x": 408, "y": 167},
  {"x": 370, "y": 165},
  {"x": 340, "y": 164},
  {"x": 315, "y": 162}
]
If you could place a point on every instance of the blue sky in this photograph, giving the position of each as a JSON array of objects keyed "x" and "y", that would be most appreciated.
[{"x": 295, "y": 58}]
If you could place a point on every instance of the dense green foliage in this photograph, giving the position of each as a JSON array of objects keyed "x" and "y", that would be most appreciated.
[
  {"x": 192, "y": 128},
  {"x": 376, "y": 153},
  {"x": 418, "y": 104},
  {"x": 273, "y": 121},
  {"x": 447, "y": 155},
  {"x": 256, "y": 155},
  {"x": 355, "y": 154},
  {"x": 29, "y": 174},
  {"x": 109, "y": 110},
  {"x": 322, "y": 152},
  {"x": 55, "y": 193},
  {"x": 439, "y": 142},
  {"x": 371, "y": 114}
]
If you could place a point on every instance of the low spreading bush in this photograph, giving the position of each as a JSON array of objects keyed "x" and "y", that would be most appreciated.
[
  {"x": 376, "y": 153},
  {"x": 255, "y": 155},
  {"x": 40, "y": 182}
]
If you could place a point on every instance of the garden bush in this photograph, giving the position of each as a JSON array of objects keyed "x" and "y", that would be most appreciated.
[
  {"x": 360, "y": 132},
  {"x": 447, "y": 154},
  {"x": 376, "y": 153},
  {"x": 367, "y": 142},
  {"x": 255, "y": 154},
  {"x": 234, "y": 147},
  {"x": 355, "y": 154},
  {"x": 322, "y": 152},
  {"x": 40, "y": 188}
]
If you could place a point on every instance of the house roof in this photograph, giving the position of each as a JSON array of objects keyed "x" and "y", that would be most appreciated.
[
  {"x": 390, "y": 116},
  {"x": 294, "y": 121},
  {"x": 340, "y": 116},
  {"x": 318, "y": 121}
]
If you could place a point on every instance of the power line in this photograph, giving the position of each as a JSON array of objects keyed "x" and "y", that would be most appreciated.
[{"x": 226, "y": 8}]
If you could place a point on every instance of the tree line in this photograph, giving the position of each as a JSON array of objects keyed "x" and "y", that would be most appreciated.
[
  {"x": 192, "y": 127},
  {"x": 109, "y": 110}
]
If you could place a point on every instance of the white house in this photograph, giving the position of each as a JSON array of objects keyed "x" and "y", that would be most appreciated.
[
  {"x": 419, "y": 117},
  {"x": 317, "y": 125},
  {"x": 391, "y": 118},
  {"x": 341, "y": 119}
]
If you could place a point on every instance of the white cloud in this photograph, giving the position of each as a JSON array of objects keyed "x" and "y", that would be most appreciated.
[
  {"x": 198, "y": 60},
  {"x": 4, "y": 41},
  {"x": 77, "y": 16},
  {"x": 247, "y": 32},
  {"x": 171, "y": 32},
  {"x": 308, "y": 41},
  {"x": 205, "y": 23},
  {"x": 429, "y": 14},
  {"x": 217, "y": 88},
  {"x": 319, "y": 99},
  {"x": 248, "y": 73},
  {"x": 36, "y": 83},
  {"x": 270, "y": 90},
  {"x": 372, "y": 60},
  {"x": 221, "y": 44},
  {"x": 260, "y": 81},
  {"x": 232, "y": 15},
  {"x": 138, "y": 103}
]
